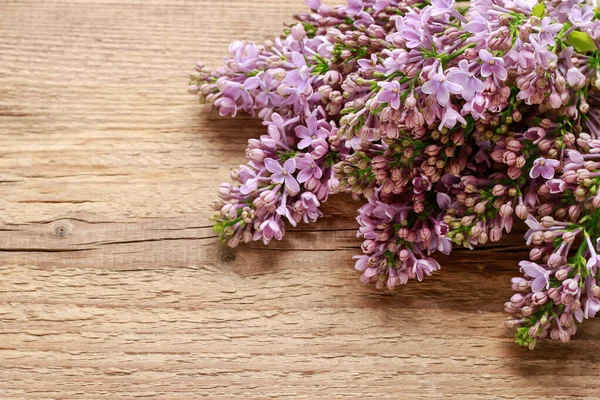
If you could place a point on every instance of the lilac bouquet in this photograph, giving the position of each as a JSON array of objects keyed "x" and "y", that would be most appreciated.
[{"x": 448, "y": 122}]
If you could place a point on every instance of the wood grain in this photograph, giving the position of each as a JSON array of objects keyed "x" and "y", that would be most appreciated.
[{"x": 113, "y": 285}]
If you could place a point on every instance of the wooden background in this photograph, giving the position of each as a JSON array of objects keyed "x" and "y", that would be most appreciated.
[{"x": 112, "y": 284}]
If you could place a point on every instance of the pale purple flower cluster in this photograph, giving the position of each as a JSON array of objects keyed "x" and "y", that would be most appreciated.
[{"x": 449, "y": 124}]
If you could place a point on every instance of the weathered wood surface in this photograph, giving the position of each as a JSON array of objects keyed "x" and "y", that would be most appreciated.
[{"x": 112, "y": 284}]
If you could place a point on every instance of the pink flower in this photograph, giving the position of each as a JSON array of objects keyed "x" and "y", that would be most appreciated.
[
  {"x": 310, "y": 134},
  {"x": 390, "y": 94},
  {"x": 492, "y": 65},
  {"x": 425, "y": 266},
  {"x": 308, "y": 168},
  {"x": 470, "y": 83},
  {"x": 540, "y": 275},
  {"x": 556, "y": 186},
  {"x": 581, "y": 17},
  {"x": 544, "y": 167},
  {"x": 283, "y": 174},
  {"x": 442, "y": 86},
  {"x": 547, "y": 30}
]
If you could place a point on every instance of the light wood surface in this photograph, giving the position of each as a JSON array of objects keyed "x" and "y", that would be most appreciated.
[{"x": 113, "y": 285}]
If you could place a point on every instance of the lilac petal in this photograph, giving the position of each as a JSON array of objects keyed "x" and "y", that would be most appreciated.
[
  {"x": 370, "y": 272},
  {"x": 317, "y": 172},
  {"x": 277, "y": 120},
  {"x": 274, "y": 132},
  {"x": 453, "y": 87},
  {"x": 535, "y": 172},
  {"x": 486, "y": 70},
  {"x": 485, "y": 55},
  {"x": 290, "y": 166},
  {"x": 442, "y": 95},
  {"x": 385, "y": 96},
  {"x": 278, "y": 178},
  {"x": 430, "y": 87},
  {"x": 531, "y": 269},
  {"x": 539, "y": 284},
  {"x": 273, "y": 166},
  {"x": 362, "y": 263},
  {"x": 547, "y": 172},
  {"x": 443, "y": 200},
  {"x": 250, "y": 186},
  {"x": 298, "y": 60},
  {"x": 302, "y": 132},
  {"x": 458, "y": 76},
  {"x": 578, "y": 315},
  {"x": 252, "y": 83},
  {"x": 304, "y": 143},
  {"x": 292, "y": 184},
  {"x": 305, "y": 175},
  {"x": 500, "y": 72},
  {"x": 311, "y": 122}
]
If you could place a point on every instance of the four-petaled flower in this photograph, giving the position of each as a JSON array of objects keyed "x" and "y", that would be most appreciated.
[
  {"x": 283, "y": 174},
  {"x": 470, "y": 83},
  {"x": 441, "y": 7},
  {"x": 390, "y": 94},
  {"x": 309, "y": 134},
  {"x": 308, "y": 168},
  {"x": 547, "y": 30},
  {"x": 539, "y": 275},
  {"x": 492, "y": 65},
  {"x": 581, "y": 17},
  {"x": 442, "y": 86},
  {"x": 544, "y": 167}
]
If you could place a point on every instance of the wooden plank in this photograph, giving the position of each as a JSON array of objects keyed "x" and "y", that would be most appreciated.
[{"x": 112, "y": 283}]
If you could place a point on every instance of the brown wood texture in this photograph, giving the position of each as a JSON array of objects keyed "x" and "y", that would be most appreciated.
[{"x": 113, "y": 285}]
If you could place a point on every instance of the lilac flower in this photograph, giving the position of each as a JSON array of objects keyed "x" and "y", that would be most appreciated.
[
  {"x": 477, "y": 23},
  {"x": 556, "y": 186},
  {"x": 271, "y": 228},
  {"x": 313, "y": 4},
  {"x": 539, "y": 275},
  {"x": 543, "y": 56},
  {"x": 395, "y": 61},
  {"x": 310, "y": 134},
  {"x": 425, "y": 266},
  {"x": 299, "y": 78},
  {"x": 591, "y": 306},
  {"x": 575, "y": 77},
  {"x": 354, "y": 7},
  {"x": 450, "y": 117},
  {"x": 368, "y": 64},
  {"x": 283, "y": 174},
  {"x": 492, "y": 65},
  {"x": 522, "y": 56},
  {"x": 249, "y": 178},
  {"x": 412, "y": 37},
  {"x": 442, "y": 86},
  {"x": 442, "y": 7},
  {"x": 268, "y": 90},
  {"x": 535, "y": 134},
  {"x": 308, "y": 168},
  {"x": 470, "y": 83},
  {"x": 545, "y": 167},
  {"x": 547, "y": 30},
  {"x": 390, "y": 94},
  {"x": 421, "y": 184},
  {"x": 581, "y": 16}
]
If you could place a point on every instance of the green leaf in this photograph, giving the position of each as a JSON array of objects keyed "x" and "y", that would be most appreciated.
[
  {"x": 581, "y": 41},
  {"x": 539, "y": 10}
]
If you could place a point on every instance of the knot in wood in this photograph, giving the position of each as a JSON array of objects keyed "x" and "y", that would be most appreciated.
[{"x": 62, "y": 228}]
